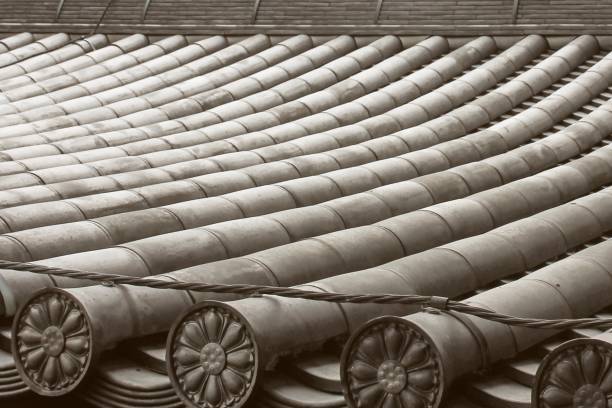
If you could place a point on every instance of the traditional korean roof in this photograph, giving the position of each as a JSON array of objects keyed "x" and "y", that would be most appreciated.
[{"x": 476, "y": 169}]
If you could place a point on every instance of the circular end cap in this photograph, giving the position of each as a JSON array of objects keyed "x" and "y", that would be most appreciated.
[
  {"x": 51, "y": 343},
  {"x": 212, "y": 357},
  {"x": 576, "y": 374},
  {"x": 390, "y": 362}
]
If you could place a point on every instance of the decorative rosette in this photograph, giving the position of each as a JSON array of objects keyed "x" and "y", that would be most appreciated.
[
  {"x": 212, "y": 358},
  {"x": 390, "y": 364},
  {"x": 576, "y": 374},
  {"x": 51, "y": 343}
]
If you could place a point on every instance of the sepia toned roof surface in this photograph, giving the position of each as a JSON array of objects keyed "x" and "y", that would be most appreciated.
[{"x": 476, "y": 169}]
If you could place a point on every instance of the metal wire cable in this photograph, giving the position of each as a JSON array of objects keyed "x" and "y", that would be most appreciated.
[{"x": 435, "y": 302}]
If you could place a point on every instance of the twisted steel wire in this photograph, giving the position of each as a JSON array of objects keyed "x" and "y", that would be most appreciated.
[{"x": 436, "y": 303}]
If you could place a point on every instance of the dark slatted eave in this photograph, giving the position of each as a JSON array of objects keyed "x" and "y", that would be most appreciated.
[
  {"x": 445, "y": 12},
  {"x": 230, "y": 12}
]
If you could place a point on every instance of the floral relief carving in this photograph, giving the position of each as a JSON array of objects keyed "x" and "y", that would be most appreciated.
[
  {"x": 392, "y": 365},
  {"x": 213, "y": 358},
  {"x": 578, "y": 376},
  {"x": 52, "y": 341}
]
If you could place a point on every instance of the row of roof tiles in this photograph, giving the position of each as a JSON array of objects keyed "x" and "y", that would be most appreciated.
[{"x": 393, "y": 165}]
